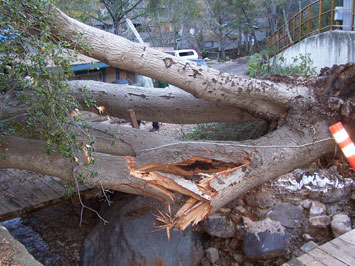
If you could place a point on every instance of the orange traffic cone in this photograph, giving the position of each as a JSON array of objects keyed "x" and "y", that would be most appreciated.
[{"x": 345, "y": 143}]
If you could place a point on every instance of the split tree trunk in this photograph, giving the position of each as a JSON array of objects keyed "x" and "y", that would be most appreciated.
[{"x": 208, "y": 173}]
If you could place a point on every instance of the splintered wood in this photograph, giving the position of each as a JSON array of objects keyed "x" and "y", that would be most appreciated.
[{"x": 191, "y": 178}]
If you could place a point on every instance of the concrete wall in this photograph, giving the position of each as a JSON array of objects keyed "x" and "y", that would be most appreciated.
[{"x": 325, "y": 49}]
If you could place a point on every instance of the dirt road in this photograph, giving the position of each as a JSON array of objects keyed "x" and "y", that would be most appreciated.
[{"x": 235, "y": 67}]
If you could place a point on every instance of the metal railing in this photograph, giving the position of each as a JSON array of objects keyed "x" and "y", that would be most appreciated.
[{"x": 317, "y": 17}]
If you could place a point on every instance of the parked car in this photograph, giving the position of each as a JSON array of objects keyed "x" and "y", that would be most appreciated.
[
  {"x": 199, "y": 61},
  {"x": 186, "y": 53}
]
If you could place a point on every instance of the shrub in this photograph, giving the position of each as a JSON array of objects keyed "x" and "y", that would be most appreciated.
[{"x": 260, "y": 66}]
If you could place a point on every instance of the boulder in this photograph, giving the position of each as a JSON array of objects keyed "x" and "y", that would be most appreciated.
[
  {"x": 212, "y": 254},
  {"x": 287, "y": 214},
  {"x": 325, "y": 185},
  {"x": 333, "y": 209},
  {"x": 307, "y": 203},
  {"x": 262, "y": 199},
  {"x": 320, "y": 221},
  {"x": 131, "y": 238},
  {"x": 309, "y": 246},
  {"x": 218, "y": 225},
  {"x": 340, "y": 224},
  {"x": 317, "y": 208},
  {"x": 266, "y": 239}
]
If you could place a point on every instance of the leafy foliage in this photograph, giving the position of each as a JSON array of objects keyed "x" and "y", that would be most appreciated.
[
  {"x": 260, "y": 66},
  {"x": 86, "y": 11},
  {"x": 33, "y": 67}
]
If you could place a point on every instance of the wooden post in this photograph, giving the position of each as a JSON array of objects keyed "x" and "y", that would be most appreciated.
[
  {"x": 332, "y": 14},
  {"x": 301, "y": 24},
  {"x": 309, "y": 20},
  {"x": 320, "y": 16},
  {"x": 294, "y": 29},
  {"x": 352, "y": 16},
  {"x": 133, "y": 118}
]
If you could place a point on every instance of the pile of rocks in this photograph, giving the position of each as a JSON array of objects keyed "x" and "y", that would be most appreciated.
[
  {"x": 267, "y": 226},
  {"x": 281, "y": 219}
]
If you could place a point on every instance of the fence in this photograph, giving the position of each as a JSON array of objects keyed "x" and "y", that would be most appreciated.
[{"x": 317, "y": 17}]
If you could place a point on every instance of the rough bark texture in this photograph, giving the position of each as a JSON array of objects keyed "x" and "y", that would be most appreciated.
[
  {"x": 208, "y": 174},
  {"x": 170, "y": 105},
  {"x": 263, "y": 98}
]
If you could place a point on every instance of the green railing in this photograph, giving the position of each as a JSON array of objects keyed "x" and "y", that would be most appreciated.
[{"x": 317, "y": 17}]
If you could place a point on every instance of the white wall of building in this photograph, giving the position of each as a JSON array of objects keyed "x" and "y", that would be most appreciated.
[{"x": 325, "y": 49}]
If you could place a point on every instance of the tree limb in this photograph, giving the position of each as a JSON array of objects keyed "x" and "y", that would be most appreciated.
[
  {"x": 169, "y": 105},
  {"x": 260, "y": 97}
]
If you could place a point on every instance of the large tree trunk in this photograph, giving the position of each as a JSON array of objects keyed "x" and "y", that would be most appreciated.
[{"x": 208, "y": 174}]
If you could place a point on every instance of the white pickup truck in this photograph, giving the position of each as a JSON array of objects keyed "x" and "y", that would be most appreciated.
[{"x": 186, "y": 53}]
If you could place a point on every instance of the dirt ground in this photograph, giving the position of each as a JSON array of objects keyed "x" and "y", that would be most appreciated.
[{"x": 235, "y": 67}]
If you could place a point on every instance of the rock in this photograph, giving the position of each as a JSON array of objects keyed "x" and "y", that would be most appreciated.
[
  {"x": 239, "y": 202},
  {"x": 212, "y": 254},
  {"x": 317, "y": 208},
  {"x": 309, "y": 246},
  {"x": 263, "y": 199},
  {"x": 287, "y": 214},
  {"x": 307, "y": 237},
  {"x": 259, "y": 212},
  {"x": 217, "y": 225},
  {"x": 320, "y": 221},
  {"x": 14, "y": 252},
  {"x": 224, "y": 210},
  {"x": 205, "y": 262},
  {"x": 343, "y": 191},
  {"x": 234, "y": 243},
  {"x": 306, "y": 203},
  {"x": 265, "y": 240},
  {"x": 333, "y": 209},
  {"x": 131, "y": 238},
  {"x": 340, "y": 224},
  {"x": 323, "y": 185},
  {"x": 238, "y": 258}
]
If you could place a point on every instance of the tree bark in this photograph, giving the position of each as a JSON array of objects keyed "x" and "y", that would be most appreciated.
[
  {"x": 170, "y": 105},
  {"x": 260, "y": 97},
  {"x": 208, "y": 174}
]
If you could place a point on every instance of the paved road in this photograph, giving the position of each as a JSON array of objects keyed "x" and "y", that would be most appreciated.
[{"x": 237, "y": 67}]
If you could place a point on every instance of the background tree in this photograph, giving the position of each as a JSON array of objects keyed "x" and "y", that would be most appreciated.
[
  {"x": 175, "y": 21},
  {"x": 118, "y": 9},
  {"x": 87, "y": 11},
  {"x": 222, "y": 19}
]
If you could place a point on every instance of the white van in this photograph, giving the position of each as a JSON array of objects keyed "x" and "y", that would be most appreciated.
[{"x": 186, "y": 53}]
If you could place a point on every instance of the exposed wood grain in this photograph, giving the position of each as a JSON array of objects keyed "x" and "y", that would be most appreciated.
[
  {"x": 325, "y": 258},
  {"x": 133, "y": 118},
  {"x": 339, "y": 251},
  {"x": 349, "y": 237},
  {"x": 22, "y": 192},
  {"x": 336, "y": 252},
  {"x": 293, "y": 262},
  {"x": 345, "y": 246},
  {"x": 306, "y": 259}
]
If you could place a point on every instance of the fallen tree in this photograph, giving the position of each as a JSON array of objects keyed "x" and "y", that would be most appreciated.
[{"x": 208, "y": 174}]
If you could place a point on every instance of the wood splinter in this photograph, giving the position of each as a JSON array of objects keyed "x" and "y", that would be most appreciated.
[
  {"x": 133, "y": 117},
  {"x": 200, "y": 192}
]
